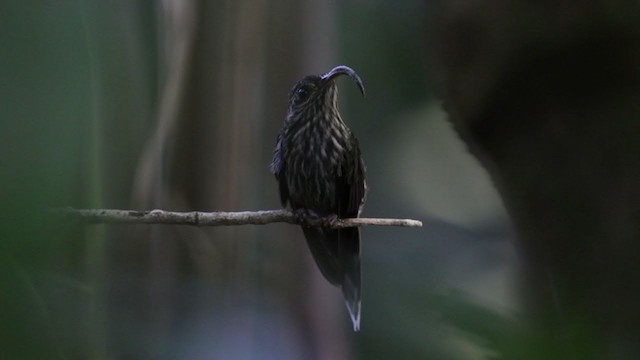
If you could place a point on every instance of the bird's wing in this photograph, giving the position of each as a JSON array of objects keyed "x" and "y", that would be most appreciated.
[
  {"x": 278, "y": 169},
  {"x": 351, "y": 191},
  {"x": 284, "y": 190},
  {"x": 350, "y": 185}
]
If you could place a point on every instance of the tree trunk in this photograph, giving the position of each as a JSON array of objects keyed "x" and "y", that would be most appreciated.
[{"x": 548, "y": 97}]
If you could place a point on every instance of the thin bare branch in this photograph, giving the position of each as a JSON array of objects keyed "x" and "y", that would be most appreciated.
[{"x": 198, "y": 218}]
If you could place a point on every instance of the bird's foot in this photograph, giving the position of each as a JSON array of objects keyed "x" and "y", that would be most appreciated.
[
  {"x": 304, "y": 217},
  {"x": 308, "y": 218},
  {"x": 329, "y": 221}
]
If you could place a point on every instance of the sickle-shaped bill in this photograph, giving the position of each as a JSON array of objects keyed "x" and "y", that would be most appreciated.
[{"x": 343, "y": 70}]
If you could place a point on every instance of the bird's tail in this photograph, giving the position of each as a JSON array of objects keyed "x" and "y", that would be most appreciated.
[
  {"x": 351, "y": 289},
  {"x": 337, "y": 254}
]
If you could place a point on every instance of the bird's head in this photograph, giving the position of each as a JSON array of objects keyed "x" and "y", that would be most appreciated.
[{"x": 317, "y": 94}]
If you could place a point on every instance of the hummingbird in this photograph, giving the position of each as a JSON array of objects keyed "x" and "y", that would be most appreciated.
[{"x": 321, "y": 175}]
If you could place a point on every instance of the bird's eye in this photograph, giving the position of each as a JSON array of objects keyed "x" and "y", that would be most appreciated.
[{"x": 302, "y": 93}]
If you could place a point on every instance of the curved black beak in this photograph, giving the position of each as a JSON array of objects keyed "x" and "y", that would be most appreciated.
[{"x": 343, "y": 70}]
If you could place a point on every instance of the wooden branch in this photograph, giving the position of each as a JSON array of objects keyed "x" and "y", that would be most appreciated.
[{"x": 198, "y": 218}]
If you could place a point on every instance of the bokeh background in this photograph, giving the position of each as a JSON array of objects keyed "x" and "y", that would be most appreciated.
[{"x": 176, "y": 105}]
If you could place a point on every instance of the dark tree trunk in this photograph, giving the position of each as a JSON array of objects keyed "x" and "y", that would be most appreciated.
[{"x": 548, "y": 97}]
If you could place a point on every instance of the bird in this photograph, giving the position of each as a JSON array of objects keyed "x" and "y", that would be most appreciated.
[{"x": 321, "y": 175}]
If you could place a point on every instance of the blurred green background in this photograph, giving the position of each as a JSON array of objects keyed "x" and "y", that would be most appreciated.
[{"x": 176, "y": 105}]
